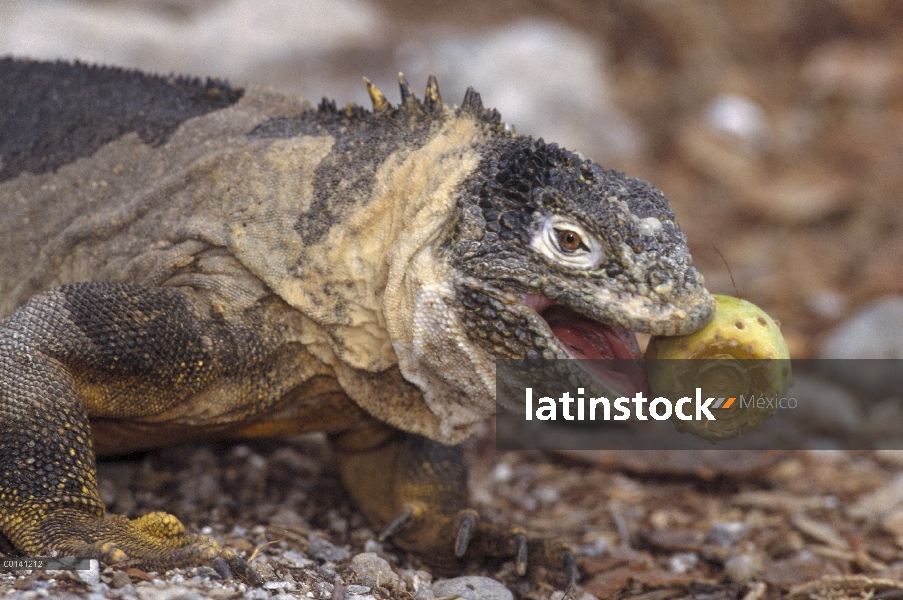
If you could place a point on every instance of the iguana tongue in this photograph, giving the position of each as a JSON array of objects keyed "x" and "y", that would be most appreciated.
[{"x": 584, "y": 338}]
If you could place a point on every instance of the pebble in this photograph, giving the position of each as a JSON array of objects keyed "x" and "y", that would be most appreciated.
[
  {"x": 738, "y": 116},
  {"x": 875, "y": 331},
  {"x": 502, "y": 472},
  {"x": 254, "y": 594},
  {"x": 357, "y": 589},
  {"x": 24, "y": 583},
  {"x": 597, "y": 548},
  {"x": 682, "y": 562},
  {"x": 327, "y": 551},
  {"x": 278, "y": 585},
  {"x": 726, "y": 533},
  {"x": 90, "y": 576},
  {"x": 416, "y": 580},
  {"x": 375, "y": 571},
  {"x": 171, "y": 592},
  {"x": 472, "y": 588},
  {"x": 120, "y": 580},
  {"x": 296, "y": 559},
  {"x": 547, "y": 495},
  {"x": 743, "y": 567}
]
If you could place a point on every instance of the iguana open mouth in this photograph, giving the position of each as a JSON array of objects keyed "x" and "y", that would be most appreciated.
[{"x": 614, "y": 350}]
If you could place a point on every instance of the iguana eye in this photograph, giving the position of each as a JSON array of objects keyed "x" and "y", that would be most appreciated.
[
  {"x": 565, "y": 241},
  {"x": 569, "y": 240}
]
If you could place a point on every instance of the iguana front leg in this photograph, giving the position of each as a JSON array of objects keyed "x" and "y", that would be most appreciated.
[
  {"x": 415, "y": 491},
  {"x": 109, "y": 351}
]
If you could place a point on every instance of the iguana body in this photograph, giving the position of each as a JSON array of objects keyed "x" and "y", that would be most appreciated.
[{"x": 184, "y": 260}]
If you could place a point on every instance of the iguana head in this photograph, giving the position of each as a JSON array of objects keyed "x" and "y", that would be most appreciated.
[
  {"x": 529, "y": 251},
  {"x": 557, "y": 257}
]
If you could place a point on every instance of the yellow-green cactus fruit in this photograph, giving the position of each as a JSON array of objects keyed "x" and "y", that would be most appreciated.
[{"x": 747, "y": 357}]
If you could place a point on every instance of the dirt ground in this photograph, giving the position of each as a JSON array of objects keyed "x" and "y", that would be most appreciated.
[{"x": 776, "y": 129}]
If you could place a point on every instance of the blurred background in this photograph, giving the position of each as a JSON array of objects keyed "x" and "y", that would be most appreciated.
[{"x": 775, "y": 127}]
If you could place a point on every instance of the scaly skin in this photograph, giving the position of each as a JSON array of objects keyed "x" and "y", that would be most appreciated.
[{"x": 184, "y": 260}]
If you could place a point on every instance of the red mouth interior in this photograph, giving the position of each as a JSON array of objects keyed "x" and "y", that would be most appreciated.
[{"x": 614, "y": 350}]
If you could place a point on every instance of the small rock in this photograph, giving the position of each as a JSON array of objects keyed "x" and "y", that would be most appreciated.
[
  {"x": 597, "y": 548},
  {"x": 743, "y": 567},
  {"x": 296, "y": 559},
  {"x": 327, "y": 551},
  {"x": 547, "y": 495},
  {"x": 324, "y": 589},
  {"x": 726, "y": 533},
  {"x": 738, "y": 116},
  {"x": 278, "y": 585},
  {"x": 472, "y": 588},
  {"x": 170, "y": 592},
  {"x": 502, "y": 472},
  {"x": 120, "y": 580},
  {"x": 357, "y": 589},
  {"x": 375, "y": 571},
  {"x": 24, "y": 583},
  {"x": 828, "y": 304},
  {"x": 682, "y": 562},
  {"x": 875, "y": 331},
  {"x": 416, "y": 580},
  {"x": 328, "y": 570},
  {"x": 264, "y": 569},
  {"x": 90, "y": 576}
]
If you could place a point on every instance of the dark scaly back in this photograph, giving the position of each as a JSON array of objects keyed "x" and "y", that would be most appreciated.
[
  {"x": 363, "y": 141},
  {"x": 53, "y": 113}
]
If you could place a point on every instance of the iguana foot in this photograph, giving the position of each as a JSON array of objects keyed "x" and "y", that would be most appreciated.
[
  {"x": 438, "y": 535},
  {"x": 155, "y": 541},
  {"x": 415, "y": 491}
]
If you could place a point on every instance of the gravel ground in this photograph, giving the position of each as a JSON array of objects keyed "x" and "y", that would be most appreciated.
[{"x": 775, "y": 128}]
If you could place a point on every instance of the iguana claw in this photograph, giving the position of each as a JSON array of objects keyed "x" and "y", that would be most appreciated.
[
  {"x": 520, "y": 560},
  {"x": 570, "y": 569},
  {"x": 467, "y": 519},
  {"x": 399, "y": 522}
]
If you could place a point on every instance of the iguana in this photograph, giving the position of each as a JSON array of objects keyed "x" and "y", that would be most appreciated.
[{"x": 183, "y": 259}]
